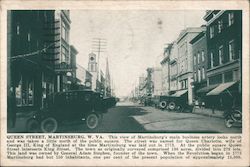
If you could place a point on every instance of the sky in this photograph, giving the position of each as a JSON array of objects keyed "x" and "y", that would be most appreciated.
[{"x": 135, "y": 39}]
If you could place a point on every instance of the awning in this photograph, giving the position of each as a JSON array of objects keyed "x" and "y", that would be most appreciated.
[
  {"x": 179, "y": 93},
  {"x": 219, "y": 89},
  {"x": 206, "y": 89}
]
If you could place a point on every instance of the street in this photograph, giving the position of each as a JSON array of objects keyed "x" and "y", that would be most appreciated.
[{"x": 128, "y": 117}]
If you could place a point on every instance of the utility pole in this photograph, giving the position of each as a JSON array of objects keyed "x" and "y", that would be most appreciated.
[{"x": 98, "y": 46}]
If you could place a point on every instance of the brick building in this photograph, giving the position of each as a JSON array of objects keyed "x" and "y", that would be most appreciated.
[{"x": 224, "y": 45}]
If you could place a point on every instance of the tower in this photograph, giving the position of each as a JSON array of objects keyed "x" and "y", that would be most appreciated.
[{"x": 92, "y": 68}]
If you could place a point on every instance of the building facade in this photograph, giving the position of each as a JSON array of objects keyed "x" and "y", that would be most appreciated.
[
  {"x": 83, "y": 77},
  {"x": 165, "y": 65},
  {"x": 199, "y": 49},
  {"x": 157, "y": 81},
  {"x": 63, "y": 66},
  {"x": 31, "y": 57},
  {"x": 224, "y": 45},
  {"x": 185, "y": 61},
  {"x": 92, "y": 68}
]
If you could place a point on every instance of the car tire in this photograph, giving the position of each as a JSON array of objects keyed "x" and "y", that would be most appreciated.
[
  {"x": 163, "y": 104},
  {"x": 171, "y": 105},
  {"x": 92, "y": 121},
  {"x": 49, "y": 125},
  {"x": 32, "y": 125},
  {"x": 229, "y": 122}
]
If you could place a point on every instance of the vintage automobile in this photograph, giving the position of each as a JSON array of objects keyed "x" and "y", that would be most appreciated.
[{"x": 78, "y": 105}]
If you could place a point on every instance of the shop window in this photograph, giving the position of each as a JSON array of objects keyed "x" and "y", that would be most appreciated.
[
  {"x": 228, "y": 76},
  {"x": 19, "y": 93},
  {"x": 25, "y": 92},
  {"x": 215, "y": 79},
  {"x": 237, "y": 75}
]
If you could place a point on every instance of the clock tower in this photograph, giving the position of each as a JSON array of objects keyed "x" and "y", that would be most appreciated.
[{"x": 92, "y": 68}]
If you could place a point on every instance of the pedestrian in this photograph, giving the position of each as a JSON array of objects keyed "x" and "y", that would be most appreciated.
[{"x": 11, "y": 108}]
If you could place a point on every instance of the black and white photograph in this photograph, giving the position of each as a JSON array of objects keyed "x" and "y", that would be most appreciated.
[{"x": 124, "y": 71}]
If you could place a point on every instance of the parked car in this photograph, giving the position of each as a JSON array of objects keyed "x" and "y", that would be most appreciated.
[{"x": 80, "y": 105}]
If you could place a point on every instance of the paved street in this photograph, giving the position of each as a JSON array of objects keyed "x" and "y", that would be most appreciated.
[{"x": 128, "y": 117}]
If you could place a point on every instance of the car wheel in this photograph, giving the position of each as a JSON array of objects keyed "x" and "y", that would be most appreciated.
[
  {"x": 49, "y": 125},
  {"x": 92, "y": 121},
  {"x": 229, "y": 122},
  {"x": 32, "y": 125},
  {"x": 163, "y": 104},
  {"x": 171, "y": 105}
]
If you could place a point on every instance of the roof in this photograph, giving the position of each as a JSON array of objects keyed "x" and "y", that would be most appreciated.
[
  {"x": 197, "y": 37},
  {"x": 179, "y": 93},
  {"x": 219, "y": 89}
]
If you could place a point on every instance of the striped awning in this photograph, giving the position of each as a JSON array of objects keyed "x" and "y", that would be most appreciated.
[{"x": 219, "y": 89}]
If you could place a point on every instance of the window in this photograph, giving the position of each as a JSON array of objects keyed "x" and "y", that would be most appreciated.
[
  {"x": 25, "y": 92},
  {"x": 202, "y": 56},
  {"x": 220, "y": 26},
  {"x": 199, "y": 75},
  {"x": 195, "y": 78},
  {"x": 65, "y": 32},
  {"x": 194, "y": 60},
  {"x": 215, "y": 79},
  {"x": 231, "y": 50},
  {"x": 230, "y": 18},
  {"x": 212, "y": 59},
  {"x": 198, "y": 58},
  {"x": 64, "y": 57},
  {"x": 203, "y": 73},
  {"x": 228, "y": 76},
  {"x": 18, "y": 93},
  {"x": 28, "y": 36},
  {"x": 220, "y": 54},
  {"x": 18, "y": 30},
  {"x": 236, "y": 75},
  {"x": 211, "y": 31}
]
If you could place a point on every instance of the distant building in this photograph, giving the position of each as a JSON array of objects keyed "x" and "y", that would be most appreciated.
[
  {"x": 224, "y": 45},
  {"x": 72, "y": 77},
  {"x": 173, "y": 71},
  {"x": 157, "y": 81},
  {"x": 199, "y": 47},
  {"x": 165, "y": 65},
  {"x": 83, "y": 76},
  {"x": 185, "y": 61}
]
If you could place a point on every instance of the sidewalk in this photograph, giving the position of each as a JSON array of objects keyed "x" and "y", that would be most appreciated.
[
  {"x": 164, "y": 121},
  {"x": 20, "y": 126},
  {"x": 208, "y": 112}
]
